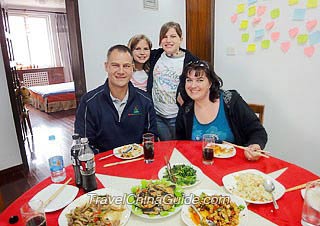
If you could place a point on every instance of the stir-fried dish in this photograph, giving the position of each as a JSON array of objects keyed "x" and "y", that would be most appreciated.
[
  {"x": 219, "y": 209},
  {"x": 98, "y": 211},
  {"x": 222, "y": 150},
  {"x": 184, "y": 175},
  {"x": 130, "y": 151},
  {"x": 155, "y": 198}
]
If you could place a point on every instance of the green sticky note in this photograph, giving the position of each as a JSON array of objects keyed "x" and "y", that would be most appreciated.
[
  {"x": 312, "y": 3},
  {"x": 302, "y": 39},
  {"x": 252, "y": 11},
  {"x": 240, "y": 8},
  {"x": 245, "y": 37},
  {"x": 251, "y": 48},
  {"x": 293, "y": 2},
  {"x": 244, "y": 24},
  {"x": 265, "y": 44},
  {"x": 275, "y": 13}
]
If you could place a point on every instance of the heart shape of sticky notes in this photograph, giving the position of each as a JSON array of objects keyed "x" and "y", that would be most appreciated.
[
  {"x": 309, "y": 51},
  {"x": 234, "y": 18},
  {"x": 293, "y": 32},
  {"x": 311, "y": 24},
  {"x": 285, "y": 46},
  {"x": 275, "y": 36},
  {"x": 256, "y": 20},
  {"x": 269, "y": 25},
  {"x": 261, "y": 10}
]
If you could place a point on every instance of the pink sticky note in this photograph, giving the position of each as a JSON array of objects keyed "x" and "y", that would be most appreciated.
[
  {"x": 269, "y": 25},
  {"x": 275, "y": 36},
  {"x": 285, "y": 46},
  {"x": 311, "y": 24},
  {"x": 309, "y": 51},
  {"x": 293, "y": 32},
  {"x": 256, "y": 20},
  {"x": 261, "y": 10},
  {"x": 234, "y": 18}
]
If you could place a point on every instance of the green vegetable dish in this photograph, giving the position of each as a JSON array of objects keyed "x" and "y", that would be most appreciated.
[
  {"x": 156, "y": 199},
  {"x": 184, "y": 175}
]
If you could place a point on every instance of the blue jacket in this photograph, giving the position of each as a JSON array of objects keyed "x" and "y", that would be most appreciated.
[{"x": 98, "y": 119}]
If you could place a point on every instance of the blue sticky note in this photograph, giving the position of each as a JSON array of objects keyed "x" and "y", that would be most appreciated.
[
  {"x": 259, "y": 33},
  {"x": 314, "y": 38},
  {"x": 251, "y": 2},
  {"x": 299, "y": 14}
]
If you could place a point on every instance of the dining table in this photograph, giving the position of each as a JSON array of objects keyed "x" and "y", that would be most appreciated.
[{"x": 122, "y": 177}]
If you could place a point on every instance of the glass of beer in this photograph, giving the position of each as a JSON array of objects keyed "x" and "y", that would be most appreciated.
[
  {"x": 148, "y": 147},
  {"x": 208, "y": 141},
  {"x": 32, "y": 213}
]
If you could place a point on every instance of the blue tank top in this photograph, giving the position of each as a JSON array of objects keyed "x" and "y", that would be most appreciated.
[{"x": 219, "y": 126}]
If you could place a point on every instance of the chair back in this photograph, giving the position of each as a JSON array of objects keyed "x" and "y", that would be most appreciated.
[{"x": 259, "y": 110}]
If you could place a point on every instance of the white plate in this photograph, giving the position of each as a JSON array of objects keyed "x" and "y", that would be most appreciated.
[
  {"x": 229, "y": 183},
  {"x": 229, "y": 154},
  {"x": 303, "y": 192},
  {"x": 199, "y": 174},
  {"x": 136, "y": 151},
  {"x": 185, "y": 215},
  {"x": 63, "y": 199},
  {"x": 62, "y": 220}
]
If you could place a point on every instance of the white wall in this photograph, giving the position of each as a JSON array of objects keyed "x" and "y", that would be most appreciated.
[
  {"x": 287, "y": 83},
  {"x": 10, "y": 149},
  {"x": 106, "y": 23}
]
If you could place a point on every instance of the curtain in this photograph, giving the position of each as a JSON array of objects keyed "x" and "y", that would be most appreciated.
[{"x": 64, "y": 45}]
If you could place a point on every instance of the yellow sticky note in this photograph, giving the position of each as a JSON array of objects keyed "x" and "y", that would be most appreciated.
[
  {"x": 265, "y": 44},
  {"x": 312, "y": 3},
  {"x": 245, "y": 37},
  {"x": 293, "y": 2},
  {"x": 244, "y": 24},
  {"x": 251, "y": 48},
  {"x": 302, "y": 39},
  {"x": 252, "y": 11},
  {"x": 275, "y": 13},
  {"x": 240, "y": 8}
]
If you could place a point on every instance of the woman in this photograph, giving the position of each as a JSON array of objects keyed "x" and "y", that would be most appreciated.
[
  {"x": 213, "y": 110},
  {"x": 166, "y": 66},
  {"x": 140, "y": 46}
]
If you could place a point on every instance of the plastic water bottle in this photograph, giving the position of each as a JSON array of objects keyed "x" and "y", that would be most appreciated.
[
  {"x": 87, "y": 166},
  {"x": 58, "y": 172},
  {"x": 75, "y": 148}
]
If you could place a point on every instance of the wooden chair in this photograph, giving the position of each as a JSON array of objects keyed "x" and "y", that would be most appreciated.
[{"x": 259, "y": 110}]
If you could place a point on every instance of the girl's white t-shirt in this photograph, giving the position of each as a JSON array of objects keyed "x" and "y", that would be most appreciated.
[{"x": 139, "y": 79}]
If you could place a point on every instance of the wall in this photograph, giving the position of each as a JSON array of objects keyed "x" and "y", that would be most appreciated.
[
  {"x": 286, "y": 83},
  {"x": 106, "y": 23},
  {"x": 8, "y": 137}
]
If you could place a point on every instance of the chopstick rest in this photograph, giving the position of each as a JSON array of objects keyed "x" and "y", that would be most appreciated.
[
  {"x": 56, "y": 193},
  {"x": 123, "y": 162}
]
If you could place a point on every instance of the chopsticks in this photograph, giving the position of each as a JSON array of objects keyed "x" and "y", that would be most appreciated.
[
  {"x": 56, "y": 193},
  {"x": 105, "y": 157},
  {"x": 300, "y": 186},
  {"x": 169, "y": 169},
  {"x": 123, "y": 162},
  {"x": 262, "y": 153}
]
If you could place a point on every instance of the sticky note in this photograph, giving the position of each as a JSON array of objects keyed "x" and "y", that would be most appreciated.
[
  {"x": 256, "y": 20},
  {"x": 265, "y": 44},
  {"x": 234, "y": 18},
  {"x": 299, "y": 14},
  {"x": 244, "y": 24},
  {"x": 302, "y": 39},
  {"x": 311, "y": 24},
  {"x": 275, "y": 36},
  {"x": 293, "y": 32},
  {"x": 293, "y": 2},
  {"x": 261, "y": 10},
  {"x": 240, "y": 8},
  {"x": 251, "y": 2},
  {"x": 314, "y": 38},
  {"x": 312, "y": 3},
  {"x": 245, "y": 37},
  {"x": 275, "y": 13},
  {"x": 269, "y": 25},
  {"x": 252, "y": 11},
  {"x": 285, "y": 46},
  {"x": 251, "y": 48},
  {"x": 259, "y": 33},
  {"x": 309, "y": 51}
]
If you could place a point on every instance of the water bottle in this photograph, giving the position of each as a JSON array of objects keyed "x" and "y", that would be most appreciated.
[
  {"x": 75, "y": 148},
  {"x": 87, "y": 166},
  {"x": 57, "y": 170}
]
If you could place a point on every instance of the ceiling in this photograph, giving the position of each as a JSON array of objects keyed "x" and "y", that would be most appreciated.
[{"x": 32, "y": 4}]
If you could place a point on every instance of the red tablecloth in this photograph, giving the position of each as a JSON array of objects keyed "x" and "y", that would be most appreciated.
[{"x": 290, "y": 204}]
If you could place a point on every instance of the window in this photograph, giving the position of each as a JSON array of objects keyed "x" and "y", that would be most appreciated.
[{"x": 32, "y": 40}]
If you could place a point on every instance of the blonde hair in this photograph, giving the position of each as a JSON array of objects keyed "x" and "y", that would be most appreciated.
[{"x": 164, "y": 29}]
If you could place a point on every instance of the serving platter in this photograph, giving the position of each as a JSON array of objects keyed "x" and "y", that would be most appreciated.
[{"x": 135, "y": 150}]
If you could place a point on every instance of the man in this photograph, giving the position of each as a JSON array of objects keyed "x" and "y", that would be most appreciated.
[{"x": 116, "y": 113}]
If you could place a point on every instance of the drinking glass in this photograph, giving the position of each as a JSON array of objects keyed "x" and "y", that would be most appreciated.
[
  {"x": 148, "y": 147},
  {"x": 33, "y": 214},
  {"x": 208, "y": 141},
  {"x": 311, "y": 205}
]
